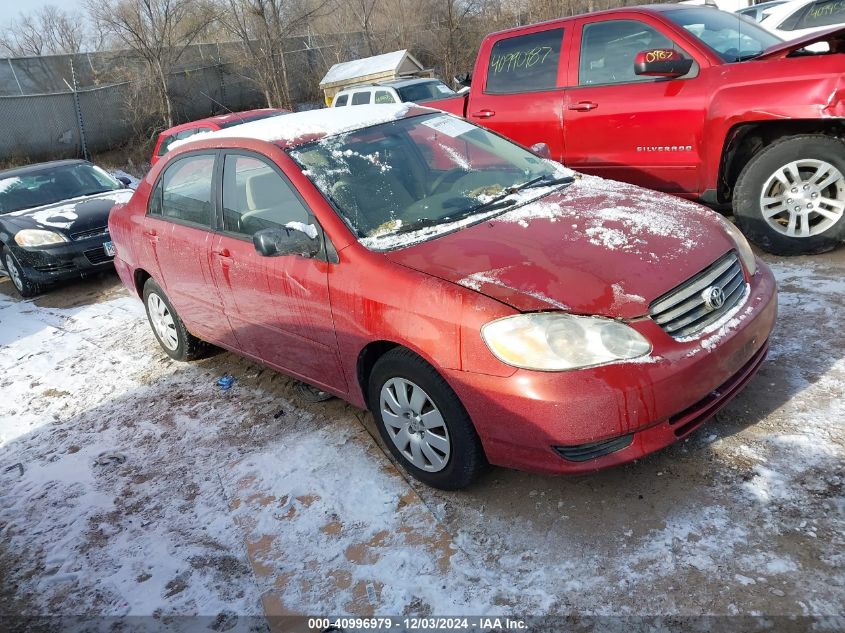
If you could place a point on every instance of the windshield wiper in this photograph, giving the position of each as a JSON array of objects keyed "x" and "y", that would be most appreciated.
[
  {"x": 497, "y": 202},
  {"x": 424, "y": 223}
]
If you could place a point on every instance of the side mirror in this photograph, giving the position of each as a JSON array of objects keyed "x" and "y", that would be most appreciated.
[
  {"x": 661, "y": 62},
  {"x": 126, "y": 182},
  {"x": 541, "y": 149},
  {"x": 463, "y": 81},
  {"x": 294, "y": 239}
]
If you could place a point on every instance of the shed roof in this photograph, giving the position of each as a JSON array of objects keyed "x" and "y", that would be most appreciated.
[{"x": 359, "y": 69}]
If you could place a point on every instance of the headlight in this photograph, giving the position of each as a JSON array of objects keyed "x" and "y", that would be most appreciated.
[
  {"x": 745, "y": 252},
  {"x": 38, "y": 237},
  {"x": 549, "y": 341}
]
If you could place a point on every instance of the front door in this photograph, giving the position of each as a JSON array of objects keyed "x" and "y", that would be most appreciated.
[
  {"x": 279, "y": 306},
  {"x": 627, "y": 127},
  {"x": 520, "y": 95},
  {"x": 180, "y": 221}
]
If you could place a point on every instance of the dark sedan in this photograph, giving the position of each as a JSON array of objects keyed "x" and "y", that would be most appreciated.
[{"x": 54, "y": 222}]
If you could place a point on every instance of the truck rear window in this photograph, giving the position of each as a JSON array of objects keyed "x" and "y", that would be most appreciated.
[{"x": 524, "y": 63}]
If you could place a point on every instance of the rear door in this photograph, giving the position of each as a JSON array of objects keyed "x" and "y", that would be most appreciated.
[
  {"x": 520, "y": 94},
  {"x": 179, "y": 229},
  {"x": 627, "y": 127},
  {"x": 278, "y": 306}
]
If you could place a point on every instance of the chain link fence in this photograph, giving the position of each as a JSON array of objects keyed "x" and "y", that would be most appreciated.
[{"x": 64, "y": 106}]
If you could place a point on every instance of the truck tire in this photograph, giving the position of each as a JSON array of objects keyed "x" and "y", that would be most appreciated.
[{"x": 790, "y": 197}]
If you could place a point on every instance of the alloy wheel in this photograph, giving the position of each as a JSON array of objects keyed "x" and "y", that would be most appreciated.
[
  {"x": 803, "y": 198},
  {"x": 415, "y": 425},
  {"x": 162, "y": 321}
]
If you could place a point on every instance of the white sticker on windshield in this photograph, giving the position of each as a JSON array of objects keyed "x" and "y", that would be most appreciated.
[
  {"x": 448, "y": 125},
  {"x": 443, "y": 88}
]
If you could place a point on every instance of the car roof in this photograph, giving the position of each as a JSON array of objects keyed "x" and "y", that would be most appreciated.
[
  {"x": 27, "y": 170},
  {"x": 219, "y": 119},
  {"x": 302, "y": 127}
]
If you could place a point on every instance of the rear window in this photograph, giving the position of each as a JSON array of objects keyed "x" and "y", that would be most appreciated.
[
  {"x": 824, "y": 13},
  {"x": 425, "y": 91},
  {"x": 250, "y": 118},
  {"x": 524, "y": 63},
  {"x": 360, "y": 98},
  {"x": 167, "y": 141}
]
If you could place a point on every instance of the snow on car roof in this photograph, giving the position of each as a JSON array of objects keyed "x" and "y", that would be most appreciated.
[{"x": 322, "y": 122}]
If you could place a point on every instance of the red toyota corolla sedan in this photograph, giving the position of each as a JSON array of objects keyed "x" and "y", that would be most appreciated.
[{"x": 486, "y": 304}]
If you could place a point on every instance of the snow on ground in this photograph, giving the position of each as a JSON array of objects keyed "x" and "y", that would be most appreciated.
[{"x": 132, "y": 484}]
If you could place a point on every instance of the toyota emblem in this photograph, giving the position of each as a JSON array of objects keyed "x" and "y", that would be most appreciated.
[{"x": 714, "y": 298}]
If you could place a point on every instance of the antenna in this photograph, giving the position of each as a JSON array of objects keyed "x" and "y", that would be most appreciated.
[{"x": 210, "y": 98}]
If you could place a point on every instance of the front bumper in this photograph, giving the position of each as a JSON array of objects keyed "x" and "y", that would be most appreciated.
[
  {"x": 524, "y": 420},
  {"x": 64, "y": 261}
]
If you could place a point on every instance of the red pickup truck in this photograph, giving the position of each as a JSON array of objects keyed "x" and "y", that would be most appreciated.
[{"x": 688, "y": 100}]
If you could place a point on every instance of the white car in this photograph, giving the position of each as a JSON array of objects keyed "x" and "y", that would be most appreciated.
[
  {"x": 417, "y": 90},
  {"x": 798, "y": 18},
  {"x": 758, "y": 12}
]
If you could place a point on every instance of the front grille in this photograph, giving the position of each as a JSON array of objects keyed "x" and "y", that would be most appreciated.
[
  {"x": 592, "y": 450},
  {"x": 98, "y": 255},
  {"x": 683, "y": 312},
  {"x": 84, "y": 235}
]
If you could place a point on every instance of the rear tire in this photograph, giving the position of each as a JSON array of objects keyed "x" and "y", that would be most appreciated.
[
  {"x": 168, "y": 328},
  {"x": 24, "y": 285},
  {"x": 779, "y": 204},
  {"x": 428, "y": 413}
]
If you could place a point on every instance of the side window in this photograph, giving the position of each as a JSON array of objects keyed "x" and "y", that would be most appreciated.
[
  {"x": 256, "y": 197},
  {"x": 186, "y": 190},
  {"x": 361, "y": 98},
  {"x": 383, "y": 96},
  {"x": 608, "y": 50},
  {"x": 524, "y": 63},
  {"x": 822, "y": 13},
  {"x": 341, "y": 100}
]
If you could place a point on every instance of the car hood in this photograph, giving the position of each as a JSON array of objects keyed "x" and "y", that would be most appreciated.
[
  {"x": 834, "y": 35},
  {"x": 597, "y": 247},
  {"x": 76, "y": 215}
]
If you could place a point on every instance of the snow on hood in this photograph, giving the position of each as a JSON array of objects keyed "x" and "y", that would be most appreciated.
[
  {"x": 64, "y": 214},
  {"x": 322, "y": 122},
  {"x": 597, "y": 247}
]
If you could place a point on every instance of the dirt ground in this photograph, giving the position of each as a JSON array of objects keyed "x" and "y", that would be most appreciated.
[{"x": 745, "y": 517}]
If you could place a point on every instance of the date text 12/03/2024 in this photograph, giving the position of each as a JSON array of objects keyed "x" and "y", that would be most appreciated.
[{"x": 418, "y": 624}]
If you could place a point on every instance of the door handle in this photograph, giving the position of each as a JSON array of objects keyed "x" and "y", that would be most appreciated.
[
  {"x": 224, "y": 253},
  {"x": 484, "y": 114},
  {"x": 152, "y": 234},
  {"x": 584, "y": 106}
]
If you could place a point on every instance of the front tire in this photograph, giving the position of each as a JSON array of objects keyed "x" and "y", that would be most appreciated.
[
  {"x": 423, "y": 423},
  {"x": 790, "y": 198},
  {"x": 23, "y": 284},
  {"x": 168, "y": 328}
]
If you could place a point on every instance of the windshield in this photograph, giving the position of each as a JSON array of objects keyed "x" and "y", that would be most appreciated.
[
  {"x": 735, "y": 38},
  {"x": 427, "y": 174},
  {"x": 425, "y": 91},
  {"x": 48, "y": 186}
]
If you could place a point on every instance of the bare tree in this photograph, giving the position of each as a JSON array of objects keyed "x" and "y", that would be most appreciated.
[
  {"x": 263, "y": 26},
  {"x": 159, "y": 31},
  {"x": 47, "y": 31}
]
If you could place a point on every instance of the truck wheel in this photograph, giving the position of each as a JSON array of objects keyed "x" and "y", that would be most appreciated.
[
  {"x": 790, "y": 198},
  {"x": 423, "y": 422}
]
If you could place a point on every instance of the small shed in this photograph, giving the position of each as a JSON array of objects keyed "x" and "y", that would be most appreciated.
[{"x": 370, "y": 70}]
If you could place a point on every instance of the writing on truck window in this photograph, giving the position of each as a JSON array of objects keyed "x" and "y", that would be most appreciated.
[
  {"x": 524, "y": 63},
  {"x": 824, "y": 14}
]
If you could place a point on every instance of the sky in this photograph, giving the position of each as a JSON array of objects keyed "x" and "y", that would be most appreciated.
[{"x": 9, "y": 9}]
